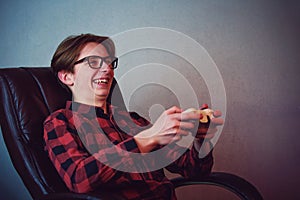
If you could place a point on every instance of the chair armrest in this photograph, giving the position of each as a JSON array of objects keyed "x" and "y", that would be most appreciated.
[
  {"x": 233, "y": 183},
  {"x": 79, "y": 196},
  {"x": 239, "y": 186}
]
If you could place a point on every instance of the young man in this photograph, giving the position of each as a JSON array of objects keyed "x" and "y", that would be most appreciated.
[{"x": 95, "y": 146}]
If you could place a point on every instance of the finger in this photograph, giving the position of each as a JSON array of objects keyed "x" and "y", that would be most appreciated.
[
  {"x": 209, "y": 136},
  {"x": 212, "y": 130},
  {"x": 179, "y": 124},
  {"x": 176, "y": 138},
  {"x": 185, "y": 116},
  {"x": 173, "y": 110},
  {"x": 169, "y": 138},
  {"x": 182, "y": 132},
  {"x": 176, "y": 131},
  {"x": 217, "y": 113},
  {"x": 189, "y": 116},
  {"x": 186, "y": 125},
  {"x": 217, "y": 121}
]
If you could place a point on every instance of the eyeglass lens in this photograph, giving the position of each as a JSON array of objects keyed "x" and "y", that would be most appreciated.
[{"x": 97, "y": 62}]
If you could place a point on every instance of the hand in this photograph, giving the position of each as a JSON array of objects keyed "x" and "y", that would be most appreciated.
[
  {"x": 208, "y": 130},
  {"x": 172, "y": 125},
  {"x": 169, "y": 127}
]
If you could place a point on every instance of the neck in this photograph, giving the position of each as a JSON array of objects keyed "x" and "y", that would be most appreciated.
[
  {"x": 102, "y": 105},
  {"x": 94, "y": 102}
]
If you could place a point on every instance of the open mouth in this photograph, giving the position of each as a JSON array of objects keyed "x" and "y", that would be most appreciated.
[{"x": 101, "y": 81}]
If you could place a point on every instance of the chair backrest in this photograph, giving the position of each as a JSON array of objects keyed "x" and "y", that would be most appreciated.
[{"x": 27, "y": 97}]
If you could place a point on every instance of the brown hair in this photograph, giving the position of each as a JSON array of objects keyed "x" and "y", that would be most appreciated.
[{"x": 69, "y": 49}]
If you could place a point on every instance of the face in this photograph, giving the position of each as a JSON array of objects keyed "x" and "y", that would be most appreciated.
[{"x": 88, "y": 85}]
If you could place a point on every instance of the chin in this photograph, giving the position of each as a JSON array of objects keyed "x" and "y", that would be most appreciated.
[{"x": 102, "y": 95}]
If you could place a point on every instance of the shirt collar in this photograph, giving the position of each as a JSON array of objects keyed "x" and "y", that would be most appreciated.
[{"x": 90, "y": 110}]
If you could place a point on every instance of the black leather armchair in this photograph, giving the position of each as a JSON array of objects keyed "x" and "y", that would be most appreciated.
[{"x": 28, "y": 96}]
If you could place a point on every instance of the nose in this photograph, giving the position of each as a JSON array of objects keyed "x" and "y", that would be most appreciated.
[{"x": 105, "y": 67}]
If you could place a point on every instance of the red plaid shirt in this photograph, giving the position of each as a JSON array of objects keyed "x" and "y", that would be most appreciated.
[{"x": 81, "y": 140}]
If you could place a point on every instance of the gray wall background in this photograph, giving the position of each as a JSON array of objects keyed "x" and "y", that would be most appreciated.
[{"x": 254, "y": 43}]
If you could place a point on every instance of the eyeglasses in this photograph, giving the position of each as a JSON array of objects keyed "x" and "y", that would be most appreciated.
[{"x": 96, "y": 62}]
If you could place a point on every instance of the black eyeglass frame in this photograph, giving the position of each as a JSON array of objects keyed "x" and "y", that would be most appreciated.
[{"x": 113, "y": 64}]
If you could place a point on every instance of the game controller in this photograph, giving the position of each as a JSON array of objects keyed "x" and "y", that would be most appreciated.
[{"x": 207, "y": 114}]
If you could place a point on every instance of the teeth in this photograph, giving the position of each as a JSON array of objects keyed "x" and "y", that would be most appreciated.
[{"x": 101, "y": 81}]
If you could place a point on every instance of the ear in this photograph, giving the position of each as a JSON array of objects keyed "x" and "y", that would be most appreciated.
[{"x": 66, "y": 78}]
